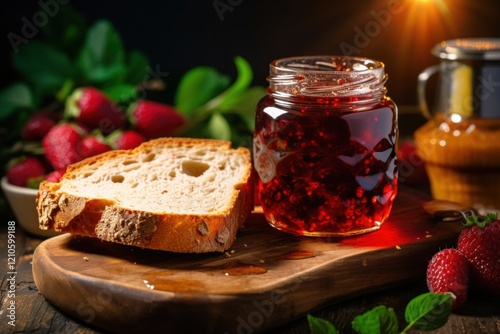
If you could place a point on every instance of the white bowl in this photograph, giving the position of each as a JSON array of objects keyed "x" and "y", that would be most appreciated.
[{"x": 23, "y": 203}]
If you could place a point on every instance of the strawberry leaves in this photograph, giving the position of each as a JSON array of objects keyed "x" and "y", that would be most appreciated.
[
  {"x": 66, "y": 30},
  {"x": 481, "y": 221},
  {"x": 230, "y": 96},
  {"x": 72, "y": 55},
  {"x": 45, "y": 67},
  {"x": 428, "y": 311},
  {"x": 206, "y": 81},
  {"x": 17, "y": 96},
  {"x": 218, "y": 107},
  {"x": 102, "y": 57},
  {"x": 67, "y": 55},
  {"x": 137, "y": 62}
]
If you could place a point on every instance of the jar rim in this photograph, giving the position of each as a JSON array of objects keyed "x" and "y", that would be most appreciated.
[
  {"x": 325, "y": 64},
  {"x": 327, "y": 76}
]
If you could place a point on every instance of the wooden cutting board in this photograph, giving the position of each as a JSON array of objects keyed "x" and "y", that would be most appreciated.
[{"x": 266, "y": 279}]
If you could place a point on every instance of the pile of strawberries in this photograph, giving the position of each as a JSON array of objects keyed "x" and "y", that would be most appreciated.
[
  {"x": 91, "y": 124},
  {"x": 474, "y": 265}
]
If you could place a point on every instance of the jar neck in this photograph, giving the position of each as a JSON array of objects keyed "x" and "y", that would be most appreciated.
[{"x": 339, "y": 79}]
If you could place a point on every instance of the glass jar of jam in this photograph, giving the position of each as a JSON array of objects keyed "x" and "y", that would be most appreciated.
[{"x": 325, "y": 146}]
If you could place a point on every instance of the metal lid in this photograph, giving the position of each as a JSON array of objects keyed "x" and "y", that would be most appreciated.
[{"x": 468, "y": 48}]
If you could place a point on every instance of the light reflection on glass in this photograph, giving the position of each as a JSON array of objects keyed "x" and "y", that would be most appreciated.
[
  {"x": 444, "y": 127},
  {"x": 456, "y": 118}
]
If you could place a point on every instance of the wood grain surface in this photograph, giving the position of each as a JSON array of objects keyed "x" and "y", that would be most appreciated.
[{"x": 268, "y": 278}]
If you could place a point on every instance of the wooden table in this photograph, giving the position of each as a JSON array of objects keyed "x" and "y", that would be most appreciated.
[{"x": 35, "y": 315}]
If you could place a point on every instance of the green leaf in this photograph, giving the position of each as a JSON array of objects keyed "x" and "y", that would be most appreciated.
[
  {"x": 121, "y": 92},
  {"x": 198, "y": 86},
  {"x": 381, "y": 320},
  {"x": 241, "y": 115},
  {"x": 492, "y": 216},
  {"x": 14, "y": 97},
  {"x": 230, "y": 96},
  {"x": 249, "y": 121},
  {"x": 34, "y": 182},
  {"x": 320, "y": 326},
  {"x": 219, "y": 128},
  {"x": 137, "y": 68},
  {"x": 241, "y": 133},
  {"x": 102, "y": 57},
  {"x": 481, "y": 222},
  {"x": 44, "y": 66},
  {"x": 65, "y": 90},
  {"x": 246, "y": 102},
  {"x": 246, "y": 105},
  {"x": 66, "y": 29},
  {"x": 428, "y": 311}
]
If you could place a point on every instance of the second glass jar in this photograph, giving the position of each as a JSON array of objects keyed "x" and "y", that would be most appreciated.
[{"x": 325, "y": 146}]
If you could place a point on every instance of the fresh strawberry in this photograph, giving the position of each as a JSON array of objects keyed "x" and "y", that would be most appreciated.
[
  {"x": 126, "y": 140},
  {"x": 61, "y": 145},
  {"x": 39, "y": 124},
  {"x": 479, "y": 242},
  {"x": 91, "y": 146},
  {"x": 23, "y": 172},
  {"x": 54, "y": 176},
  {"x": 155, "y": 120},
  {"x": 92, "y": 108},
  {"x": 448, "y": 272}
]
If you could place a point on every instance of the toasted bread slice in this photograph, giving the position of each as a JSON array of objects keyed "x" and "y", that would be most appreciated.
[{"x": 173, "y": 194}]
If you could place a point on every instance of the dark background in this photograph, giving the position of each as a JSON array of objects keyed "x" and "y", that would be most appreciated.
[{"x": 178, "y": 35}]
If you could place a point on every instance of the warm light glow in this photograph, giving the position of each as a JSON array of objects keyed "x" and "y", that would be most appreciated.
[
  {"x": 426, "y": 19},
  {"x": 424, "y": 23},
  {"x": 402, "y": 34},
  {"x": 456, "y": 118},
  {"x": 436, "y": 2}
]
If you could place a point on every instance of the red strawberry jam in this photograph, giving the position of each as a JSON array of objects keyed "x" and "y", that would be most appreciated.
[{"x": 326, "y": 161}]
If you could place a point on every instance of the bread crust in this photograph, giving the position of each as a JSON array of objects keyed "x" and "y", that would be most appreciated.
[{"x": 108, "y": 221}]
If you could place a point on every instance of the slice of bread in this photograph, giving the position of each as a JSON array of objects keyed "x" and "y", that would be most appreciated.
[{"x": 174, "y": 194}]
